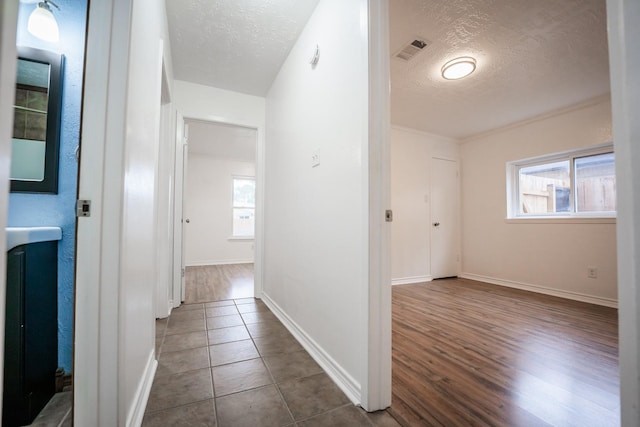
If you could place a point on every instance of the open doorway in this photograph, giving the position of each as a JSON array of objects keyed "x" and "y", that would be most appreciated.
[
  {"x": 483, "y": 121},
  {"x": 39, "y": 324},
  {"x": 220, "y": 211}
]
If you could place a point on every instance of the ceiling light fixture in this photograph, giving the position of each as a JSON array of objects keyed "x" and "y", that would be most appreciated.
[
  {"x": 42, "y": 23},
  {"x": 458, "y": 68}
]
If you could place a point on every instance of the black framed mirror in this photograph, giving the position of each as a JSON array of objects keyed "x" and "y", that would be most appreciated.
[{"x": 36, "y": 129}]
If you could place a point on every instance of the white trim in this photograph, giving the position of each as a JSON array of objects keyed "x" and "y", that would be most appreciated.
[
  {"x": 561, "y": 220},
  {"x": 340, "y": 376},
  {"x": 575, "y": 296},
  {"x": 141, "y": 396},
  {"x": 376, "y": 294},
  {"x": 593, "y": 150},
  {"x": 165, "y": 160},
  {"x": 220, "y": 262},
  {"x": 588, "y": 103},
  {"x": 513, "y": 168},
  {"x": 233, "y": 200},
  {"x": 97, "y": 339},
  {"x": 411, "y": 280},
  {"x": 179, "y": 148},
  {"x": 624, "y": 68},
  {"x": 425, "y": 134}
]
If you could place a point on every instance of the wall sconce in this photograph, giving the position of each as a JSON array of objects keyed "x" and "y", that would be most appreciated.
[{"x": 42, "y": 24}]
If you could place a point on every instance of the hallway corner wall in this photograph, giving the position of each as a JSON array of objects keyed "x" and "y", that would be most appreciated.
[
  {"x": 317, "y": 216},
  {"x": 149, "y": 48}
]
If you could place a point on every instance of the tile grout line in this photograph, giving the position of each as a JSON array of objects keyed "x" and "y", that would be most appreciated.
[
  {"x": 191, "y": 370},
  {"x": 213, "y": 386},
  {"x": 275, "y": 384}
]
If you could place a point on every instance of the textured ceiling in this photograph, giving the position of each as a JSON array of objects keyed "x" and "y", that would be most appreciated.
[
  {"x": 222, "y": 141},
  {"x": 532, "y": 57},
  {"x": 237, "y": 45}
]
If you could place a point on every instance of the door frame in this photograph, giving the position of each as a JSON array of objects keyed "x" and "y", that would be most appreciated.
[
  {"x": 376, "y": 383},
  {"x": 624, "y": 69},
  {"x": 97, "y": 329},
  {"x": 165, "y": 201},
  {"x": 8, "y": 53},
  {"x": 180, "y": 148},
  {"x": 258, "y": 241}
]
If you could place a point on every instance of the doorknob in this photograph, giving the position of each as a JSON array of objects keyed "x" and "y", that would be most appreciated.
[
  {"x": 187, "y": 221},
  {"x": 435, "y": 224}
]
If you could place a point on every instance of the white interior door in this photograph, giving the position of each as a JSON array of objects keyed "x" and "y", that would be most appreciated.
[
  {"x": 445, "y": 222},
  {"x": 178, "y": 239}
]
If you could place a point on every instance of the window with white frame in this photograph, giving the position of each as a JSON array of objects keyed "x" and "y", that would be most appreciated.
[
  {"x": 576, "y": 183},
  {"x": 244, "y": 207}
]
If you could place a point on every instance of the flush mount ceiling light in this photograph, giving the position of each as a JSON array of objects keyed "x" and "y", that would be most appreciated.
[
  {"x": 42, "y": 23},
  {"x": 458, "y": 68}
]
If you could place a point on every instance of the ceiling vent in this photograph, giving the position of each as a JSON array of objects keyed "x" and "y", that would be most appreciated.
[{"x": 411, "y": 49}]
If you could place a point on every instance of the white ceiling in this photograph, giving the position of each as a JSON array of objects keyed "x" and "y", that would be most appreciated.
[
  {"x": 533, "y": 56},
  {"x": 238, "y": 45},
  {"x": 222, "y": 141}
]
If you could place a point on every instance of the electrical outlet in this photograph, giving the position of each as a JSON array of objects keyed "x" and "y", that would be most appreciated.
[{"x": 592, "y": 272}]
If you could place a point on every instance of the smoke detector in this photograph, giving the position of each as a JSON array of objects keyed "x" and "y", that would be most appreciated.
[{"x": 412, "y": 48}]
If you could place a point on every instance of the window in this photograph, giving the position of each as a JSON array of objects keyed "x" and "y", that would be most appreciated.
[
  {"x": 244, "y": 206},
  {"x": 577, "y": 183}
]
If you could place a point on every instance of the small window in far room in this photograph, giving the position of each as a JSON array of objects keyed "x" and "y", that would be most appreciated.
[
  {"x": 244, "y": 207},
  {"x": 580, "y": 183}
]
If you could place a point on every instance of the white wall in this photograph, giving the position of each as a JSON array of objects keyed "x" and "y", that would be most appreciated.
[
  {"x": 138, "y": 271},
  {"x": 546, "y": 256},
  {"x": 196, "y": 101},
  {"x": 411, "y": 154},
  {"x": 208, "y": 207},
  {"x": 316, "y": 243}
]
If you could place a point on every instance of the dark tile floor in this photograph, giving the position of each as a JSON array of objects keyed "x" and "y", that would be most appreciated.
[
  {"x": 232, "y": 363},
  {"x": 57, "y": 413}
]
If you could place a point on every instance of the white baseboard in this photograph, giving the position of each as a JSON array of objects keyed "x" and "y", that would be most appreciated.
[
  {"x": 576, "y": 296},
  {"x": 411, "y": 280},
  {"x": 141, "y": 397},
  {"x": 219, "y": 262},
  {"x": 343, "y": 380}
]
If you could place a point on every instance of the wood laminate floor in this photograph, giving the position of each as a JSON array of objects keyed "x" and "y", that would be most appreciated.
[
  {"x": 218, "y": 282},
  {"x": 467, "y": 353}
]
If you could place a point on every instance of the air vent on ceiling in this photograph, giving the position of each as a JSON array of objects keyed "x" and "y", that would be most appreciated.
[{"x": 411, "y": 49}]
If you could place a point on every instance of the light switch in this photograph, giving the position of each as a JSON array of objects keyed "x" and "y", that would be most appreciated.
[{"x": 315, "y": 158}]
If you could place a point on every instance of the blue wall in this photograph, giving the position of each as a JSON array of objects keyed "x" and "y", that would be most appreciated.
[{"x": 59, "y": 209}]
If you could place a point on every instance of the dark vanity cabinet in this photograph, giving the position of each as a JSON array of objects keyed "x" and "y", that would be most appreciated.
[{"x": 31, "y": 331}]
